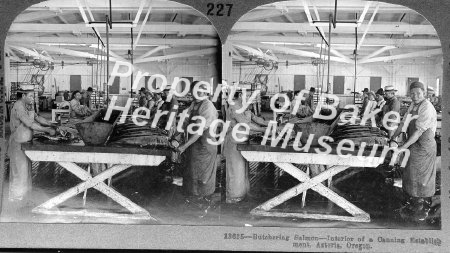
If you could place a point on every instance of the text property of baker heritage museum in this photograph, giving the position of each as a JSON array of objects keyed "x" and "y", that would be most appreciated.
[{"x": 344, "y": 149}]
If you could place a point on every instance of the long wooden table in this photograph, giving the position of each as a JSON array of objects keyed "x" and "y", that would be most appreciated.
[
  {"x": 285, "y": 158},
  {"x": 121, "y": 159}
]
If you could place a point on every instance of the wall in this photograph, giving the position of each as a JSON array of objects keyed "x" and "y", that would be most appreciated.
[
  {"x": 392, "y": 74},
  {"x": 200, "y": 70}
]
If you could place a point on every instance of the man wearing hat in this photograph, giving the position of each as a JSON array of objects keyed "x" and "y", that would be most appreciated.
[
  {"x": 419, "y": 176},
  {"x": 89, "y": 92},
  {"x": 309, "y": 101},
  {"x": 365, "y": 99},
  {"x": 170, "y": 107},
  {"x": 379, "y": 97},
  {"x": 22, "y": 123},
  {"x": 392, "y": 105}
]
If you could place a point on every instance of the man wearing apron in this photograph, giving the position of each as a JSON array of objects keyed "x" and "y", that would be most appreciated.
[
  {"x": 23, "y": 122},
  {"x": 199, "y": 177},
  {"x": 419, "y": 177}
]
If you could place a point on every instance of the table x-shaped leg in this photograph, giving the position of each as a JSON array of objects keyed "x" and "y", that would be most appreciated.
[
  {"x": 315, "y": 184},
  {"x": 97, "y": 183}
]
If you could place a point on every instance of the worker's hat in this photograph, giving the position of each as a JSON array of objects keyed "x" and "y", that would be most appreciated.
[
  {"x": 168, "y": 87},
  {"x": 312, "y": 89},
  {"x": 417, "y": 84},
  {"x": 380, "y": 91},
  {"x": 389, "y": 88},
  {"x": 365, "y": 90}
]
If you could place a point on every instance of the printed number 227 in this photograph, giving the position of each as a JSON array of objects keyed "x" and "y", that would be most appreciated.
[{"x": 218, "y": 9}]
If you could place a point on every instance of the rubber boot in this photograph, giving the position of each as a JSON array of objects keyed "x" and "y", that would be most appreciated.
[
  {"x": 406, "y": 210},
  {"x": 422, "y": 209}
]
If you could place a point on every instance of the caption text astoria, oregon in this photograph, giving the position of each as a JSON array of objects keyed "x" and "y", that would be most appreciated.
[{"x": 241, "y": 130}]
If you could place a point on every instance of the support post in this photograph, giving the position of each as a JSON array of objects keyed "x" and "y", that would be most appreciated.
[
  {"x": 107, "y": 60},
  {"x": 131, "y": 59},
  {"x": 355, "y": 54},
  {"x": 329, "y": 53}
]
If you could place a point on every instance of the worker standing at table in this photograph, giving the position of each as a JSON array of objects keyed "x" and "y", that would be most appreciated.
[
  {"x": 170, "y": 107},
  {"x": 77, "y": 110},
  {"x": 23, "y": 122},
  {"x": 392, "y": 105},
  {"x": 86, "y": 98},
  {"x": 309, "y": 101},
  {"x": 419, "y": 176},
  {"x": 365, "y": 99},
  {"x": 237, "y": 182},
  {"x": 379, "y": 97},
  {"x": 199, "y": 179}
]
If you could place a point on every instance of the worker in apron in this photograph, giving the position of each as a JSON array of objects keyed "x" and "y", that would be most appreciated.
[
  {"x": 23, "y": 122},
  {"x": 237, "y": 181},
  {"x": 199, "y": 177},
  {"x": 392, "y": 105},
  {"x": 419, "y": 176}
]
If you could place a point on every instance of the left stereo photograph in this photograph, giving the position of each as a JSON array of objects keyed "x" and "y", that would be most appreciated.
[{"x": 98, "y": 94}]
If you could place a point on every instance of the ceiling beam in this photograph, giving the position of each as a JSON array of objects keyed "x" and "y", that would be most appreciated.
[
  {"x": 337, "y": 53},
  {"x": 344, "y": 6},
  {"x": 363, "y": 15},
  {"x": 378, "y": 52},
  {"x": 340, "y": 40},
  {"x": 260, "y": 15},
  {"x": 114, "y": 40},
  {"x": 426, "y": 53},
  {"x": 322, "y": 33},
  {"x": 138, "y": 14},
  {"x": 92, "y": 18},
  {"x": 376, "y": 28},
  {"x": 35, "y": 16},
  {"x": 141, "y": 28},
  {"x": 207, "y": 51},
  {"x": 301, "y": 53},
  {"x": 151, "y": 28},
  {"x": 368, "y": 26},
  {"x": 82, "y": 13},
  {"x": 101, "y": 4},
  {"x": 307, "y": 12},
  {"x": 288, "y": 17},
  {"x": 63, "y": 19},
  {"x": 154, "y": 50}
]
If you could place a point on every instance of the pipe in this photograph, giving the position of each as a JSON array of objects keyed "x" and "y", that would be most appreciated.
[
  {"x": 355, "y": 54},
  {"x": 110, "y": 14},
  {"x": 131, "y": 59},
  {"x": 107, "y": 61},
  {"x": 329, "y": 53},
  {"x": 335, "y": 14}
]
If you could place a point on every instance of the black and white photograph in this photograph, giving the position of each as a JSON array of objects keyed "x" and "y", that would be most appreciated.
[{"x": 304, "y": 125}]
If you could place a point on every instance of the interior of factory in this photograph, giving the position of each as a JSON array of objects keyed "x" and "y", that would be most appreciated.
[{"x": 83, "y": 76}]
